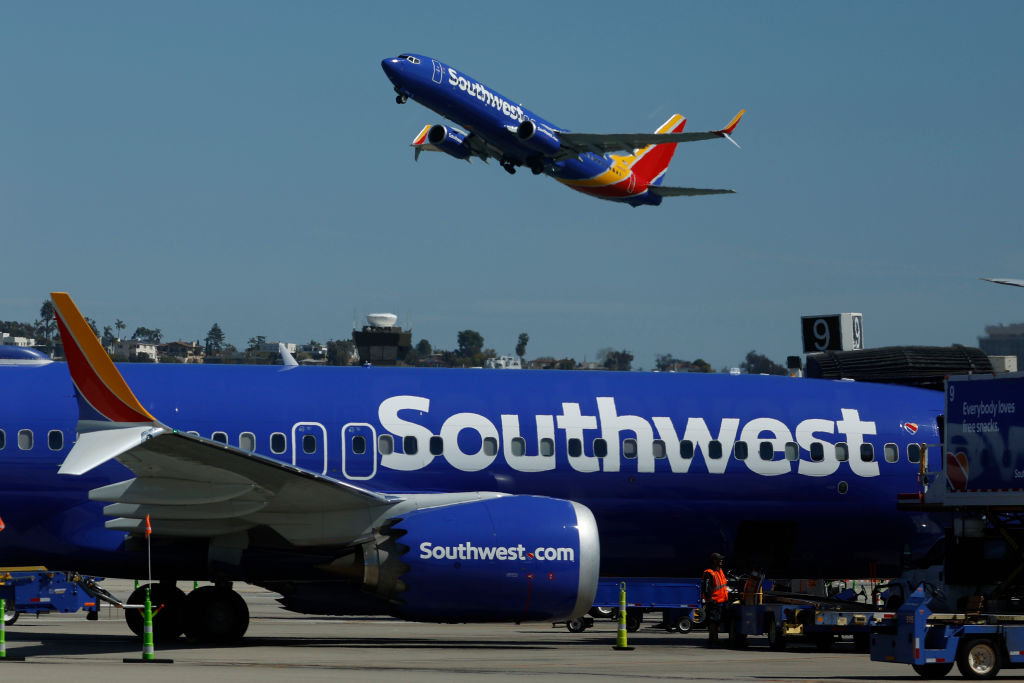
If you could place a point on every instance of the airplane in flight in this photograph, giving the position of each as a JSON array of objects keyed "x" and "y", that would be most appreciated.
[
  {"x": 497, "y": 127},
  {"x": 448, "y": 495}
]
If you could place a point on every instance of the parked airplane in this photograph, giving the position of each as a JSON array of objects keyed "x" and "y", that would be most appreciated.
[
  {"x": 496, "y": 127},
  {"x": 442, "y": 495}
]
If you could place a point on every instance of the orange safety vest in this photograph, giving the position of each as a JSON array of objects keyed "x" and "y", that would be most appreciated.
[{"x": 720, "y": 588}]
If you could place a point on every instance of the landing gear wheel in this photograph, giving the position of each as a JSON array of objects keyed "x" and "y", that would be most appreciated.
[
  {"x": 633, "y": 621},
  {"x": 932, "y": 670},
  {"x": 509, "y": 167},
  {"x": 536, "y": 166},
  {"x": 169, "y": 621},
  {"x": 978, "y": 658},
  {"x": 684, "y": 624},
  {"x": 401, "y": 97},
  {"x": 776, "y": 636},
  {"x": 216, "y": 615},
  {"x": 10, "y": 615},
  {"x": 577, "y": 625}
]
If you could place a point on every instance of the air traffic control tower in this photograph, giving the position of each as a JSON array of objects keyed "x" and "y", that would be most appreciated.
[{"x": 381, "y": 341}]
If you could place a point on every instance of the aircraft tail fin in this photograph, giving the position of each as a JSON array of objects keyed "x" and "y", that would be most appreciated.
[
  {"x": 652, "y": 161},
  {"x": 103, "y": 395}
]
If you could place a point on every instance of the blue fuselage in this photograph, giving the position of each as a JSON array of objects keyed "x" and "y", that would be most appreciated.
[{"x": 654, "y": 456}]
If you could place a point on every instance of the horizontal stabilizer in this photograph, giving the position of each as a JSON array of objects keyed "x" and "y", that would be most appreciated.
[
  {"x": 684, "y": 191},
  {"x": 1005, "y": 281}
]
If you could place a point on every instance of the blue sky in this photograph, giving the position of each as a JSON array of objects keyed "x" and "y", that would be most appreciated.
[{"x": 179, "y": 164}]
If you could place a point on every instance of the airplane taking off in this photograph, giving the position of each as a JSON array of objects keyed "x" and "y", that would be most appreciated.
[
  {"x": 449, "y": 495},
  {"x": 497, "y": 127}
]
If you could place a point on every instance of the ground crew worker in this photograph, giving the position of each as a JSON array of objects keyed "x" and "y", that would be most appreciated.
[{"x": 716, "y": 593}]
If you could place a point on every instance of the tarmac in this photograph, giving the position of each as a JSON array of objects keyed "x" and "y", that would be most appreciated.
[{"x": 282, "y": 646}]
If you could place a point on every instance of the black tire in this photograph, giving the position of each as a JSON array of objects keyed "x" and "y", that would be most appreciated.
[
  {"x": 577, "y": 625},
  {"x": 216, "y": 615},
  {"x": 776, "y": 636},
  {"x": 633, "y": 621},
  {"x": 932, "y": 670},
  {"x": 169, "y": 622},
  {"x": 684, "y": 624},
  {"x": 10, "y": 616},
  {"x": 979, "y": 658}
]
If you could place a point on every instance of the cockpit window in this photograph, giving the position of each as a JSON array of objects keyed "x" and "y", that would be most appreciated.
[{"x": 410, "y": 58}]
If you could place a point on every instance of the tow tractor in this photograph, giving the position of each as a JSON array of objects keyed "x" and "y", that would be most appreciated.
[
  {"x": 971, "y": 612},
  {"x": 678, "y": 600},
  {"x": 37, "y": 591}
]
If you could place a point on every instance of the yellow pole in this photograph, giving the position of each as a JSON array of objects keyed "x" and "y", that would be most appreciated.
[{"x": 620, "y": 638}]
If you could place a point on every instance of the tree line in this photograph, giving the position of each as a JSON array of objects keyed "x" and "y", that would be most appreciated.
[{"x": 469, "y": 350}]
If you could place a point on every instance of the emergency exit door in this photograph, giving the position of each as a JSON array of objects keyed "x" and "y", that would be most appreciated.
[{"x": 358, "y": 451}]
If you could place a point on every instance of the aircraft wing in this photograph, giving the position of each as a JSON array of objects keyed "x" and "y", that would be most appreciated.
[
  {"x": 624, "y": 142},
  {"x": 193, "y": 487},
  {"x": 476, "y": 146},
  {"x": 1005, "y": 281},
  {"x": 684, "y": 191}
]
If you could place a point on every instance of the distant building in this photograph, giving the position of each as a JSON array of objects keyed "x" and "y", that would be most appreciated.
[
  {"x": 504, "y": 363},
  {"x": 133, "y": 350},
  {"x": 7, "y": 340},
  {"x": 1004, "y": 340},
  {"x": 381, "y": 341},
  {"x": 185, "y": 352}
]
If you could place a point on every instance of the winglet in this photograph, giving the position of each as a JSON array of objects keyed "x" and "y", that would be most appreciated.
[
  {"x": 732, "y": 124},
  {"x": 103, "y": 395},
  {"x": 419, "y": 141}
]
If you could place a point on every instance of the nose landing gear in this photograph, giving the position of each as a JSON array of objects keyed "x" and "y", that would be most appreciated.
[{"x": 401, "y": 98}]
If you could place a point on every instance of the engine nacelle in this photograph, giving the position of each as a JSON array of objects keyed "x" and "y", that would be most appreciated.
[
  {"x": 449, "y": 141},
  {"x": 538, "y": 138},
  {"x": 514, "y": 558}
]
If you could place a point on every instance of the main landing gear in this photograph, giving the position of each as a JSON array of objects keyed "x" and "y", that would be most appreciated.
[
  {"x": 509, "y": 166},
  {"x": 536, "y": 165},
  {"x": 211, "y": 614}
]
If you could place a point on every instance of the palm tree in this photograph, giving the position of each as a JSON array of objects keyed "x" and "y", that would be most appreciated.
[{"x": 119, "y": 325}]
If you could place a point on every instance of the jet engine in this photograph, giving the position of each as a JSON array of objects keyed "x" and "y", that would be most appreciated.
[
  {"x": 539, "y": 138},
  {"x": 513, "y": 558},
  {"x": 449, "y": 141}
]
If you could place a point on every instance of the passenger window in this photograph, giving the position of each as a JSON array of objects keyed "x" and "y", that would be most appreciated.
[
  {"x": 220, "y": 437},
  {"x": 842, "y": 452},
  {"x": 629, "y": 448},
  {"x": 739, "y": 450},
  {"x": 3, "y": 439},
  {"x": 766, "y": 450},
  {"x": 575, "y": 448},
  {"x": 715, "y": 449},
  {"x": 309, "y": 443},
  {"x": 409, "y": 445},
  {"x": 547, "y": 447},
  {"x": 25, "y": 439},
  {"x": 247, "y": 441},
  {"x": 891, "y": 452},
  {"x": 278, "y": 443},
  {"x": 792, "y": 451},
  {"x": 55, "y": 439},
  {"x": 436, "y": 445},
  {"x": 600, "y": 448},
  {"x": 686, "y": 449},
  {"x": 817, "y": 451},
  {"x": 867, "y": 452},
  {"x": 659, "y": 448},
  {"x": 914, "y": 452},
  {"x": 518, "y": 446},
  {"x": 490, "y": 446},
  {"x": 358, "y": 444},
  {"x": 386, "y": 444}
]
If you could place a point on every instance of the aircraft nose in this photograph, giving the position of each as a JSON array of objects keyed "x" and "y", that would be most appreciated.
[{"x": 390, "y": 67}]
